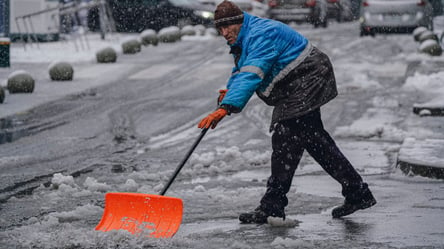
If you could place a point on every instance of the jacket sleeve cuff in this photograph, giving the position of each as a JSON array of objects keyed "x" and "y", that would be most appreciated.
[{"x": 230, "y": 109}]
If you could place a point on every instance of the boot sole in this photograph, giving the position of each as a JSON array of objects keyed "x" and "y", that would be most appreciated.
[{"x": 356, "y": 208}]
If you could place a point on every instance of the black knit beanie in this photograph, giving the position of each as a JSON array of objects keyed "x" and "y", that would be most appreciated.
[{"x": 227, "y": 13}]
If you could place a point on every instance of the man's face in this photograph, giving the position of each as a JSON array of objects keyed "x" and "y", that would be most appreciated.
[{"x": 230, "y": 32}]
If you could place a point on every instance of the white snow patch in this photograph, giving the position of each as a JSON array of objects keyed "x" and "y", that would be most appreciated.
[
  {"x": 130, "y": 186},
  {"x": 375, "y": 123},
  {"x": 93, "y": 185},
  {"x": 381, "y": 101},
  {"x": 280, "y": 242},
  {"x": 279, "y": 222},
  {"x": 82, "y": 212},
  {"x": 58, "y": 179},
  {"x": 225, "y": 160},
  {"x": 427, "y": 43},
  {"x": 426, "y": 83},
  {"x": 17, "y": 72},
  {"x": 199, "y": 188}
]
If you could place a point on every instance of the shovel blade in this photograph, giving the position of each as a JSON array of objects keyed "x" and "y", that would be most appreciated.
[{"x": 142, "y": 214}]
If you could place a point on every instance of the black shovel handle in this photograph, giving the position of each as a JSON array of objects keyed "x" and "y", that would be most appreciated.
[{"x": 202, "y": 134}]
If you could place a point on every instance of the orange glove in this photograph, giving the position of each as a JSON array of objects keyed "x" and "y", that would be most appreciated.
[
  {"x": 222, "y": 94},
  {"x": 212, "y": 119}
]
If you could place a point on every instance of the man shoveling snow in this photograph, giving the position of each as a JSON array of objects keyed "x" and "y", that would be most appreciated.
[{"x": 287, "y": 72}]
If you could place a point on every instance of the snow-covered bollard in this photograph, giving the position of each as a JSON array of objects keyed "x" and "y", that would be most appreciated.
[
  {"x": 200, "y": 29},
  {"x": 169, "y": 34},
  {"x": 131, "y": 46},
  {"x": 212, "y": 32},
  {"x": 188, "y": 30},
  {"x": 61, "y": 71},
  {"x": 417, "y": 32},
  {"x": 106, "y": 55},
  {"x": 149, "y": 37},
  {"x": 20, "y": 82},
  {"x": 427, "y": 35},
  {"x": 2, "y": 94},
  {"x": 430, "y": 47}
]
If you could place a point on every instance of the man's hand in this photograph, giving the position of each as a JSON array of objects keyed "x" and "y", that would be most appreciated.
[
  {"x": 212, "y": 119},
  {"x": 222, "y": 94}
]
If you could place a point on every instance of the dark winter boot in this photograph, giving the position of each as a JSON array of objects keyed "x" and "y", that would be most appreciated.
[
  {"x": 351, "y": 205},
  {"x": 260, "y": 215}
]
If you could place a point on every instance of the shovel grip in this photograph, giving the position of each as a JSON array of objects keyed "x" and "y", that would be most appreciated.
[{"x": 182, "y": 163}]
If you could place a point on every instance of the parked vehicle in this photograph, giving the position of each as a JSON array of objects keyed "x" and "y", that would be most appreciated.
[
  {"x": 394, "y": 16},
  {"x": 438, "y": 7},
  {"x": 260, "y": 8},
  {"x": 203, "y": 9},
  {"x": 340, "y": 10},
  {"x": 245, "y": 5},
  {"x": 254, "y": 7},
  {"x": 138, "y": 15},
  {"x": 312, "y": 11}
]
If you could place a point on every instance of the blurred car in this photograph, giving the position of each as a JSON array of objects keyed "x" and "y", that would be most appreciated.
[
  {"x": 138, "y": 15},
  {"x": 438, "y": 7},
  {"x": 199, "y": 8},
  {"x": 394, "y": 16},
  {"x": 340, "y": 10},
  {"x": 260, "y": 8},
  {"x": 254, "y": 7},
  {"x": 312, "y": 11}
]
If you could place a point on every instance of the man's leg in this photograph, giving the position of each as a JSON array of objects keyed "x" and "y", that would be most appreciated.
[
  {"x": 287, "y": 152},
  {"x": 324, "y": 150}
]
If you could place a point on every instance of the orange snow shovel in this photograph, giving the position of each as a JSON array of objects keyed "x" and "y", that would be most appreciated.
[{"x": 156, "y": 216}]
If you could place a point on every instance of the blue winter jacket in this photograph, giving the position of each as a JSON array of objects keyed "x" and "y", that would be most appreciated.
[{"x": 268, "y": 47}]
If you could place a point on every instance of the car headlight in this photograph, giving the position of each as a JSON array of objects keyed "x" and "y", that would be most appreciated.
[
  {"x": 204, "y": 14},
  {"x": 419, "y": 15}
]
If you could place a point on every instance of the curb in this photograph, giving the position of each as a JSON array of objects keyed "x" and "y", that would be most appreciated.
[
  {"x": 428, "y": 111},
  {"x": 428, "y": 163},
  {"x": 420, "y": 170}
]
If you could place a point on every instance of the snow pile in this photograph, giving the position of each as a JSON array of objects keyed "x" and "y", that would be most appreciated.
[
  {"x": 374, "y": 123},
  {"x": 129, "y": 186},
  {"x": 280, "y": 242},
  {"x": 59, "y": 179},
  {"x": 279, "y": 222},
  {"x": 431, "y": 86},
  {"x": 93, "y": 185},
  {"x": 51, "y": 233},
  {"x": 79, "y": 213},
  {"x": 225, "y": 160},
  {"x": 358, "y": 81},
  {"x": 426, "y": 83},
  {"x": 62, "y": 185}
]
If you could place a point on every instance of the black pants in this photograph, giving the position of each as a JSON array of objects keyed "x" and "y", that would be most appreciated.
[{"x": 289, "y": 140}]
